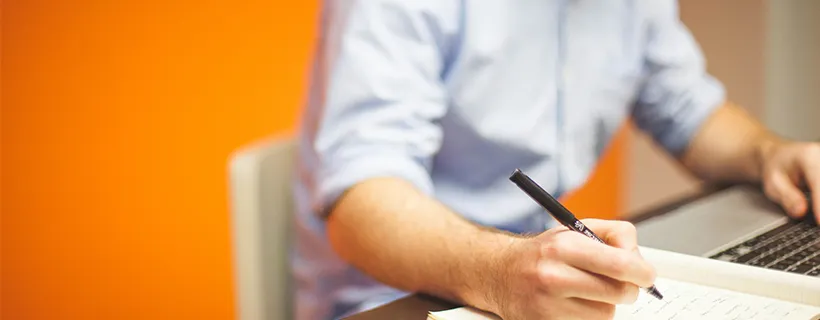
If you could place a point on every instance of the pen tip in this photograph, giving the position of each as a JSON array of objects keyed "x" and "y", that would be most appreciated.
[{"x": 655, "y": 293}]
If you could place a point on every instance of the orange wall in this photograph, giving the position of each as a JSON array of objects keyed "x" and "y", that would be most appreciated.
[{"x": 118, "y": 118}]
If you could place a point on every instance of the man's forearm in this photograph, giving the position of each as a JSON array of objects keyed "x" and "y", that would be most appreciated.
[
  {"x": 407, "y": 240},
  {"x": 729, "y": 146}
]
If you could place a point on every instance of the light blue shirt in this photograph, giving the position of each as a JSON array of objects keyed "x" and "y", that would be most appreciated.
[{"x": 453, "y": 95}]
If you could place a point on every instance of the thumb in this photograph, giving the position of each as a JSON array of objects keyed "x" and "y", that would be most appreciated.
[{"x": 782, "y": 190}]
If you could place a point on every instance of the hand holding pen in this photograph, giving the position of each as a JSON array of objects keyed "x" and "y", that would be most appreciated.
[
  {"x": 566, "y": 218},
  {"x": 561, "y": 273}
]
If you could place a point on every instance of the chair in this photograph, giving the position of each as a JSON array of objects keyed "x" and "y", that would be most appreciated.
[{"x": 261, "y": 209}]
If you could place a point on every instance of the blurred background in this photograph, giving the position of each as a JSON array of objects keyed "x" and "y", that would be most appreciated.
[{"x": 119, "y": 117}]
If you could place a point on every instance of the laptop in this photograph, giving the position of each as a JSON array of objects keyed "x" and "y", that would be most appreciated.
[{"x": 740, "y": 225}]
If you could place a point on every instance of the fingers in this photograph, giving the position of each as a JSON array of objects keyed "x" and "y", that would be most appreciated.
[
  {"x": 780, "y": 188},
  {"x": 620, "y": 234},
  {"x": 571, "y": 308},
  {"x": 811, "y": 168},
  {"x": 571, "y": 282},
  {"x": 586, "y": 309},
  {"x": 578, "y": 251}
]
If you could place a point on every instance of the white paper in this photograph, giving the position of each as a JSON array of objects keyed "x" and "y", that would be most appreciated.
[
  {"x": 702, "y": 288},
  {"x": 691, "y": 301},
  {"x": 683, "y": 301},
  {"x": 734, "y": 276}
]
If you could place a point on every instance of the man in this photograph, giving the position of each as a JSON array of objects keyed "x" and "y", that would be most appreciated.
[{"x": 421, "y": 110}]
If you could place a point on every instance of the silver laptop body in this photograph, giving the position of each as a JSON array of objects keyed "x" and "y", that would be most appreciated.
[{"x": 728, "y": 221}]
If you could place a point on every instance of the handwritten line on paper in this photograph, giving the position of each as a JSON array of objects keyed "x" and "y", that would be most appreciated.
[{"x": 691, "y": 301}]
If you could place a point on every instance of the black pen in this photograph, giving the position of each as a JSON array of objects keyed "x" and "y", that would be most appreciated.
[{"x": 562, "y": 214}]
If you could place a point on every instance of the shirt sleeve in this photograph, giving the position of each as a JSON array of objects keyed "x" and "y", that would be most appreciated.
[
  {"x": 383, "y": 99},
  {"x": 678, "y": 95}
]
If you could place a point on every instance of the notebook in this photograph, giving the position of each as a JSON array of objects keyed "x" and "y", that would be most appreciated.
[{"x": 701, "y": 288}]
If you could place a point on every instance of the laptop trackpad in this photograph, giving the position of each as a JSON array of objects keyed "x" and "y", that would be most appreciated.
[{"x": 711, "y": 222}]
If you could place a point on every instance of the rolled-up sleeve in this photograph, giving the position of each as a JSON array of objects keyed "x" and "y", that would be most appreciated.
[
  {"x": 383, "y": 100},
  {"x": 679, "y": 95}
]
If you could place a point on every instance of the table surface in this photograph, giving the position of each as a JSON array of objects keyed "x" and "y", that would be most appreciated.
[{"x": 417, "y": 306}]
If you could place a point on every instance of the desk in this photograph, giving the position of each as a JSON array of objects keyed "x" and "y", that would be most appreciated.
[{"x": 416, "y": 307}]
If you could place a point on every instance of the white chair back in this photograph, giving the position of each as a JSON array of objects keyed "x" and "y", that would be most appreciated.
[{"x": 261, "y": 210}]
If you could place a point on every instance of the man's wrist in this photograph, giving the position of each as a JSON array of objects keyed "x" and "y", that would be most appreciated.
[
  {"x": 487, "y": 269},
  {"x": 764, "y": 147}
]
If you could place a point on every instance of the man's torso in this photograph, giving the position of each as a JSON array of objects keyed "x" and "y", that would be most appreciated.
[{"x": 537, "y": 85}]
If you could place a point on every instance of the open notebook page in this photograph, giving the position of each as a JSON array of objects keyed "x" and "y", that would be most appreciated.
[
  {"x": 684, "y": 301},
  {"x": 687, "y": 281},
  {"x": 735, "y": 277}
]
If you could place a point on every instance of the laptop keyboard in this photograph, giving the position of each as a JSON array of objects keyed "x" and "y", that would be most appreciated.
[{"x": 792, "y": 247}]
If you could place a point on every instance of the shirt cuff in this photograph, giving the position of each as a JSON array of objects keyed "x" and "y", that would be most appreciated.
[
  {"x": 337, "y": 179},
  {"x": 708, "y": 98}
]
